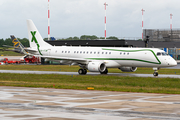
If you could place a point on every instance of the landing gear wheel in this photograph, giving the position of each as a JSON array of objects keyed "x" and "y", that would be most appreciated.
[
  {"x": 82, "y": 71},
  {"x": 85, "y": 71},
  {"x": 155, "y": 74},
  {"x": 105, "y": 72}
]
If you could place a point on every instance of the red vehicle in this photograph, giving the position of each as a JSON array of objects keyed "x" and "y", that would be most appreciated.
[
  {"x": 27, "y": 59},
  {"x": 32, "y": 59},
  {"x": 6, "y": 61}
]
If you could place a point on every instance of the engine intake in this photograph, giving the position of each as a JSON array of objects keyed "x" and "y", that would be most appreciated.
[
  {"x": 128, "y": 69},
  {"x": 96, "y": 67}
]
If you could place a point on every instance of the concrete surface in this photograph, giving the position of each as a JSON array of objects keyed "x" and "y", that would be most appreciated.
[{"x": 20, "y": 103}]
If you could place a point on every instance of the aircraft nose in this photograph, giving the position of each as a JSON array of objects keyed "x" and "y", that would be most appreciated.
[{"x": 172, "y": 62}]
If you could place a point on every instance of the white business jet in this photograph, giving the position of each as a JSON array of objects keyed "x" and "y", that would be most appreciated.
[{"x": 99, "y": 59}]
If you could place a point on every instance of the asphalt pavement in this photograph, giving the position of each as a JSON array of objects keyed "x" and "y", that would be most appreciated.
[{"x": 22, "y": 103}]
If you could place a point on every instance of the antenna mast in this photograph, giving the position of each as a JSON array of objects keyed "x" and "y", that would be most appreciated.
[
  {"x": 105, "y": 19},
  {"x": 142, "y": 23},
  {"x": 48, "y": 21}
]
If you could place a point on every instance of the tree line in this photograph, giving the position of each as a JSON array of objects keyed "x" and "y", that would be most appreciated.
[
  {"x": 86, "y": 37},
  {"x": 25, "y": 41}
]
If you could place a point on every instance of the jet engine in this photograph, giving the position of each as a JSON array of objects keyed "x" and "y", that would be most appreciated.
[
  {"x": 96, "y": 67},
  {"x": 128, "y": 69}
]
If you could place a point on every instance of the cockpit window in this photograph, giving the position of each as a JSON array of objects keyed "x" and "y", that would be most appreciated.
[
  {"x": 158, "y": 54},
  {"x": 162, "y": 53}
]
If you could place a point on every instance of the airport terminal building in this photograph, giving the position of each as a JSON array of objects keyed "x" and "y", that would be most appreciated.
[{"x": 168, "y": 40}]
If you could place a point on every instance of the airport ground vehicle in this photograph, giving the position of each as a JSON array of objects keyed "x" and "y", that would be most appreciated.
[
  {"x": 32, "y": 59},
  {"x": 27, "y": 59},
  {"x": 7, "y": 61}
]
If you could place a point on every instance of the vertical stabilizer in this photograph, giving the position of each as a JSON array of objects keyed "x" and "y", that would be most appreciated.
[
  {"x": 35, "y": 39},
  {"x": 17, "y": 45},
  {"x": 16, "y": 42}
]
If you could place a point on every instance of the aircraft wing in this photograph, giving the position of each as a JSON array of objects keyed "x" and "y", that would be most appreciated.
[
  {"x": 5, "y": 48},
  {"x": 30, "y": 50},
  {"x": 8, "y": 46},
  {"x": 67, "y": 59}
]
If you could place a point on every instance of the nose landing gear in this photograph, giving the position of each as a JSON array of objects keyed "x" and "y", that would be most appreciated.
[{"x": 155, "y": 72}]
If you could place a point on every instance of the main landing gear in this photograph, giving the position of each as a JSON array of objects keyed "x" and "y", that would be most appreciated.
[
  {"x": 155, "y": 72},
  {"x": 82, "y": 71}
]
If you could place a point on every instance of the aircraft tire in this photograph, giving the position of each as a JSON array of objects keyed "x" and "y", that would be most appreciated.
[
  {"x": 85, "y": 71},
  {"x": 155, "y": 74},
  {"x": 82, "y": 71}
]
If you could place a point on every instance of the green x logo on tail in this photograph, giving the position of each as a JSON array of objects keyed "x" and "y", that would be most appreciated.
[{"x": 35, "y": 40}]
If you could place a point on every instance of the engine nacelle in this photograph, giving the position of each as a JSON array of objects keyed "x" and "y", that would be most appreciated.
[
  {"x": 96, "y": 67},
  {"x": 128, "y": 69}
]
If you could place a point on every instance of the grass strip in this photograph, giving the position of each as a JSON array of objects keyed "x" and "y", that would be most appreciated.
[
  {"x": 67, "y": 68},
  {"x": 100, "y": 82}
]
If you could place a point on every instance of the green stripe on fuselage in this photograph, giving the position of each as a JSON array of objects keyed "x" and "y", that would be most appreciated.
[{"x": 128, "y": 58}]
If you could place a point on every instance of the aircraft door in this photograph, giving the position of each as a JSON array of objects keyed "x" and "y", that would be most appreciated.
[{"x": 49, "y": 52}]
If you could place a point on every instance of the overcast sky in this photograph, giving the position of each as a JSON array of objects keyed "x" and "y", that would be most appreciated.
[{"x": 71, "y": 18}]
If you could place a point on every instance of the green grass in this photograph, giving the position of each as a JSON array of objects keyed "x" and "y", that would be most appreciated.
[{"x": 99, "y": 82}]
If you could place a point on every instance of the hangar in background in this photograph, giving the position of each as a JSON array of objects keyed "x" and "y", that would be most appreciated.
[
  {"x": 115, "y": 43},
  {"x": 157, "y": 38}
]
